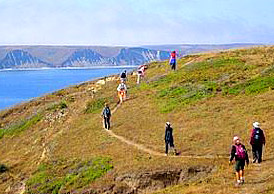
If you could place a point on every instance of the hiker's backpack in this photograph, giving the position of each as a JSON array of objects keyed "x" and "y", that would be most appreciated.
[
  {"x": 107, "y": 112},
  {"x": 122, "y": 87},
  {"x": 257, "y": 135},
  {"x": 240, "y": 152},
  {"x": 123, "y": 75}
]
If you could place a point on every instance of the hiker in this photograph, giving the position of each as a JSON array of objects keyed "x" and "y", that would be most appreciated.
[
  {"x": 122, "y": 90},
  {"x": 239, "y": 152},
  {"x": 257, "y": 140},
  {"x": 106, "y": 114},
  {"x": 123, "y": 76},
  {"x": 172, "y": 60},
  {"x": 169, "y": 137},
  {"x": 140, "y": 73}
]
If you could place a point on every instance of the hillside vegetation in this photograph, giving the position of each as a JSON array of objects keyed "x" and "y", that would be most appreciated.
[{"x": 56, "y": 143}]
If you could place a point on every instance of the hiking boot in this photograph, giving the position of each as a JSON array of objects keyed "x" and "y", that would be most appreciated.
[
  {"x": 242, "y": 181},
  {"x": 237, "y": 184}
]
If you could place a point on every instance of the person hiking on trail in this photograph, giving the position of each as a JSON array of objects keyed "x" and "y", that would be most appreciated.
[
  {"x": 172, "y": 60},
  {"x": 239, "y": 152},
  {"x": 122, "y": 90},
  {"x": 106, "y": 114},
  {"x": 123, "y": 76},
  {"x": 169, "y": 137},
  {"x": 140, "y": 73},
  {"x": 257, "y": 140}
]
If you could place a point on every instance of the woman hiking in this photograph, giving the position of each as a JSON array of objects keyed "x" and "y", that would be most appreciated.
[
  {"x": 122, "y": 90},
  {"x": 238, "y": 151},
  {"x": 169, "y": 138}
]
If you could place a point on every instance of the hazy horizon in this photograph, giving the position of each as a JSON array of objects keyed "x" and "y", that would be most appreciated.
[
  {"x": 89, "y": 45},
  {"x": 135, "y": 23}
]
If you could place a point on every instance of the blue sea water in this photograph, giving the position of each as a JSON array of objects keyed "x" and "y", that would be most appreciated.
[{"x": 23, "y": 85}]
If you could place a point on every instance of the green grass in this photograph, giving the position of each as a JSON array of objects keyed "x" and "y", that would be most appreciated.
[
  {"x": 170, "y": 98},
  {"x": 58, "y": 106},
  {"x": 253, "y": 86},
  {"x": 23, "y": 125},
  {"x": 96, "y": 105},
  {"x": 64, "y": 176},
  {"x": 224, "y": 74}
]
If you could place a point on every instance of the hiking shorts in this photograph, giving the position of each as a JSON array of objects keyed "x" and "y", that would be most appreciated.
[{"x": 239, "y": 165}]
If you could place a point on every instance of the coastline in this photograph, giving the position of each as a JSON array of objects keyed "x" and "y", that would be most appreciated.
[
  {"x": 67, "y": 68},
  {"x": 91, "y": 81}
]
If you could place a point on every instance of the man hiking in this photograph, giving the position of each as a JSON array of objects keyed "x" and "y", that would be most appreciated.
[
  {"x": 169, "y": 138},
  {"x": 239, "y": 152},
  {"x": 123, "y": 76},
  {"x": 122, "y": 90},
  {"x": 257, "y": 140},
  {"x": 106, "y": 114},
  {"x": 172, "y": 60}
]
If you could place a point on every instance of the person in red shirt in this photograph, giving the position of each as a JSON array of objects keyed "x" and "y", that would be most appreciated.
[{"x": 172, "y": 60}]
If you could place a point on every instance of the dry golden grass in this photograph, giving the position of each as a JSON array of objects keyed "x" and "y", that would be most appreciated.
[{"x": 203, "y": 127}]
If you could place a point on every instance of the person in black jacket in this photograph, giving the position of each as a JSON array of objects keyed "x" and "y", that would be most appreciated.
[
  {"x": 123, "y": 76},
  {"x": 238, "y": 151},
  {"x": 106, "y": 114},
  {"x": 169, "y": 137},
  {"x": 257, "y": 140}
]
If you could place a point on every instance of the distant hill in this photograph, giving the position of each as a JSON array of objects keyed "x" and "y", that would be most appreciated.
[
  {"x": 76, "y": 56},
  {"x": 20, "y": 58},
  {"x": 185, "y": 49},
  {"x": 88, "y": 56}
]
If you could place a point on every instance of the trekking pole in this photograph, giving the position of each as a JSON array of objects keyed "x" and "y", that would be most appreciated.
[{"x": 263, "y": 151}]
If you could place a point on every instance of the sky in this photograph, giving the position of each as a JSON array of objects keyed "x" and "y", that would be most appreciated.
[{"x": 135, "y": 22}]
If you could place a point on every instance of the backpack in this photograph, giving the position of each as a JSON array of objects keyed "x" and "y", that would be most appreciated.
[
  {"x": 123, "y": 75},
  {"x": 122, "y": 87},
  {"x": 240, "y": 152},
  {"x": 257, "y": 135},
  {"x": 106, "y": 112}
]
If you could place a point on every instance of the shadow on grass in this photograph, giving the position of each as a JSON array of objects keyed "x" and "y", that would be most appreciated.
[{"x": 3, "y": 168}]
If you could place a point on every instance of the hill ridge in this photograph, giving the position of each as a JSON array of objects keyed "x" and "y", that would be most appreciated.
[{"x": 208, "y": 99}]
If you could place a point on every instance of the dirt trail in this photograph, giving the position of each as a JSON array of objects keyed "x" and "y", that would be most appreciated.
[{"x": 152, "y": 152}]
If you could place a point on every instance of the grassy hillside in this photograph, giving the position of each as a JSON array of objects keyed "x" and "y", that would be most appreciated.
[{"x": 56, "y": 144}]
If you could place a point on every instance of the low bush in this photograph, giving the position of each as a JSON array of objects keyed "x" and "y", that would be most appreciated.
[
  {"x": 58, "y": 106},
  {"x": 62, "y": 176},
  {"x": 23, "y": 125},
  {"x": 95, "y": 106},
  {"x": 3, "y": 168}
]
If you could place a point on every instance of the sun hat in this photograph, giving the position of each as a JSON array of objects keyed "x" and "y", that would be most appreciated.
[
  {"x": 167, "y": 123},
  {"x": 256, "y": 124},
  {"x": 235, "y": 138}
]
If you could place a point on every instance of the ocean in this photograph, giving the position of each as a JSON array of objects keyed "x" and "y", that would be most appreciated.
[{"x": 18, "y": 86}]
